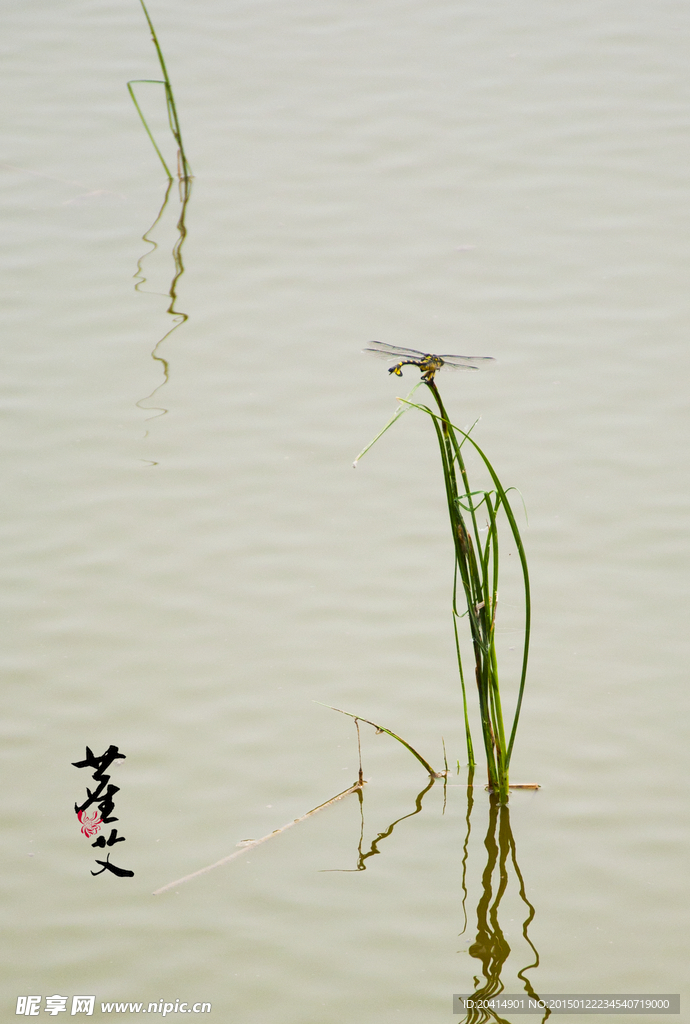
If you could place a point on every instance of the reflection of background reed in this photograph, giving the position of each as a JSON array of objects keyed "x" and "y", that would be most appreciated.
[
  {"x": 178, "y": 217},
  {"x": 185, "y": 189}
]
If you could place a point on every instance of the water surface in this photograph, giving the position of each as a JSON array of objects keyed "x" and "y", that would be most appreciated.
[{"x": 187, "y": 568}]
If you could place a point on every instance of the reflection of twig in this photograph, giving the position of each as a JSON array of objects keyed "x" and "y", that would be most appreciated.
[
  {"x": 251, "y": 843},
  {"x": 359, "y": 751},
  {"x": 345, "y": 871},
  {"x": 373, "y": 850}
]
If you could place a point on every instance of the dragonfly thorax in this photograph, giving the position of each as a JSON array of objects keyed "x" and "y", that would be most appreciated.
[{"x": 429, "y": 364}]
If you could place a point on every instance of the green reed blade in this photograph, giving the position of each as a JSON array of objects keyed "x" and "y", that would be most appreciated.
[
  {"x": 381, "y": 728},
  {"x": 505, "y": 504},
  {"x": 184, "y": 170},
  {"x": 151, "y": 81},
  {"x": 468, "y": 735},
  {"x": 394, "y": 418}
]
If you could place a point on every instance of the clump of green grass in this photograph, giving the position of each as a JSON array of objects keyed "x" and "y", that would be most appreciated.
[{"x": 476, "y": 565}]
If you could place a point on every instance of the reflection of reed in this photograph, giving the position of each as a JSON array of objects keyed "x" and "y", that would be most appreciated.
[
  {"x": 373, "y": 850},
  {"x": 185, "y": 191},
  {"x": 184, "y": 176},
  {"x": 466, "y": 844},
  {"x": 491, "y": 947}
]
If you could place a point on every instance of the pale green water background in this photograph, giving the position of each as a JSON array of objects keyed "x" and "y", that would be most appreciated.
[{"x": 502, "y": 179}]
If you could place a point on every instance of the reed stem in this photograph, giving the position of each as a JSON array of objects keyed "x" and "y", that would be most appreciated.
[
  {"x": 477, "y": 569},
  {"x": 183, "y": 169}
]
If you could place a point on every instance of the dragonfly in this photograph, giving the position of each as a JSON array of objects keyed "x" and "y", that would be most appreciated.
[{"x": 427, "y": 362}]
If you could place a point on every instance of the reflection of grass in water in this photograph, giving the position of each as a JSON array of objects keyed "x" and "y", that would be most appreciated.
[
  {"x": 491, "y": 947},
  {"x": 476, "y": 576},
  {"x": 178, "y": 270},
  {"x": 185, "y": 186},
  {"x": 466, "y": 844},
  {"x": 373, "y": 850}
]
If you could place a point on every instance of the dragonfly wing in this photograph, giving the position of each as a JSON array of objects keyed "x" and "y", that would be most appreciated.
[
  {"x": 465, "y": 362},
  {"x": 453, "y": 362},
  {"x": 381, "y": 348}
]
